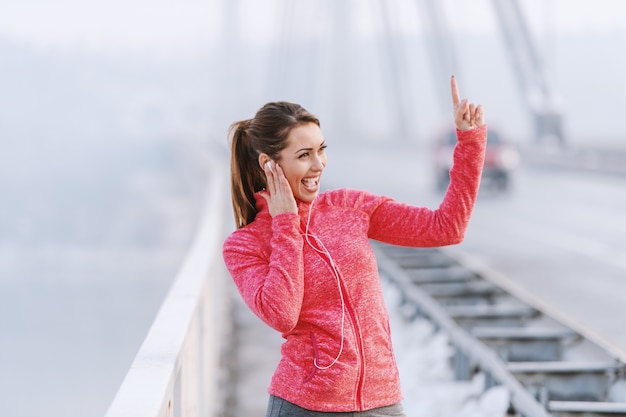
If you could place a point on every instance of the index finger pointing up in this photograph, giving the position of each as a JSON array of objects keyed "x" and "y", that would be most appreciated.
[{"x": 456, "y": 99}]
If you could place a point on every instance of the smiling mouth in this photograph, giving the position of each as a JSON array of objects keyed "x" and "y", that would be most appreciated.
[{"x": 311, "y": 184}]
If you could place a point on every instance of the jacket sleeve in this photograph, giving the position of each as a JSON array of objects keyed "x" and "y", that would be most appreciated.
[
  {"x": 405, "y": 225},
  {"x": 272, "y": 287}
]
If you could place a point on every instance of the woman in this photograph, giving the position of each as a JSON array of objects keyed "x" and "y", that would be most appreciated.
[{"x": 303, "y": 263}]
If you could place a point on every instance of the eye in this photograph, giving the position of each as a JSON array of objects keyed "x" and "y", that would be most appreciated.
[
  {"x": 303, "y": 155},
  {"x": 323, "y": 147}
]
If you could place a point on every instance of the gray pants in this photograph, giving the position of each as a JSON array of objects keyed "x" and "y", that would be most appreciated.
[{"x": 278, "y": 407}]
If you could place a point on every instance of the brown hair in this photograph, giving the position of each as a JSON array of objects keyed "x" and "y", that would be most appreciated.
[{"x": 267, "y": 133}]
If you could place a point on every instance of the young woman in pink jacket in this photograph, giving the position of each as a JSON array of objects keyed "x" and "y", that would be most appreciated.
[{"x": 303, "y": 263}]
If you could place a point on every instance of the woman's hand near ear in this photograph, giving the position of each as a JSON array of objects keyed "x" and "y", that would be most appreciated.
[{"x": 278, "y": 194}]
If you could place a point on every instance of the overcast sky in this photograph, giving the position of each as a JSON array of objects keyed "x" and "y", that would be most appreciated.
[
  {"x": 112, "y": 24},
  {"x": 584, "y": 67}
]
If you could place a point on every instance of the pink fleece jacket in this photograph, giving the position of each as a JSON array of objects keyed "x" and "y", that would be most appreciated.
[{"x": 325, "y": 315}]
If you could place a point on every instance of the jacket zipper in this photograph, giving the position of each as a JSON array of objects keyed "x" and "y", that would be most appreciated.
[
  {"x": 351, "y": 313},
  {"x": 359, "y": 347}
]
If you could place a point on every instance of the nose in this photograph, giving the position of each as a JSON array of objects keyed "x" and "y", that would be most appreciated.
[{"x": 319, "y": 163}]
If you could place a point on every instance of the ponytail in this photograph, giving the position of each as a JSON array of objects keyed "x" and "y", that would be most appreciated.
[
  {"x": 246, "y": 174},
  {"x": 266, "y": 133}
]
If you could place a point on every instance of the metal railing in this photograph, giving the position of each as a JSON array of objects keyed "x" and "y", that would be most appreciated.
[
  {"x": 503, "y": 334},
  {"x": 469, "y": 351},
  {"x": 177, "y": 370}
]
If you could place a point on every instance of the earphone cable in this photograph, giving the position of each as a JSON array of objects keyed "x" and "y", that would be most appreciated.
[{"x": 334, "y": 268}]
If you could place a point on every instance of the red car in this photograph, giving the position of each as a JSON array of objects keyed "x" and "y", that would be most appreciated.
[{"x": 501, "y": 160}]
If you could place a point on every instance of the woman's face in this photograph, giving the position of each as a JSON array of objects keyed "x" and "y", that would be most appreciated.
[{"x": 303, "y": 161}]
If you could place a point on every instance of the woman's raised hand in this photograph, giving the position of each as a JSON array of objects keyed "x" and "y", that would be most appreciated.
[
  {"x": 278, "y": 195},
  {"x": 466, "y": 115}
]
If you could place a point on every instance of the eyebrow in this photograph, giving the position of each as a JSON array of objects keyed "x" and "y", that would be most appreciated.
[{"x": 309, "y": 149}]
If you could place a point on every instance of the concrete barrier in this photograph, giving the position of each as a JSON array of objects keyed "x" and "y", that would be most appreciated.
[{"x": 177, "y": 371}]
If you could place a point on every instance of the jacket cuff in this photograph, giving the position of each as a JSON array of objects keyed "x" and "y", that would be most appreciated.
[{"x": 478, "y": 133}]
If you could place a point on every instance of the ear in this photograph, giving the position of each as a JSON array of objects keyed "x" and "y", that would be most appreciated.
[{"x": 263, "y": 159}]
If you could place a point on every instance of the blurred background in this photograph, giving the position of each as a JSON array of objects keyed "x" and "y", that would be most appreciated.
[{"x": 111, "y": 111}]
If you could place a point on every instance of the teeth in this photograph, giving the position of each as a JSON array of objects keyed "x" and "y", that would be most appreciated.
[{"x": 310, "y": 182}]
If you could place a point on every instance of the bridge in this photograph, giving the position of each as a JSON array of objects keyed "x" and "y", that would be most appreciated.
[
  {"x": 206, "y": 355},
  {"x": 555, "y": 238}
]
